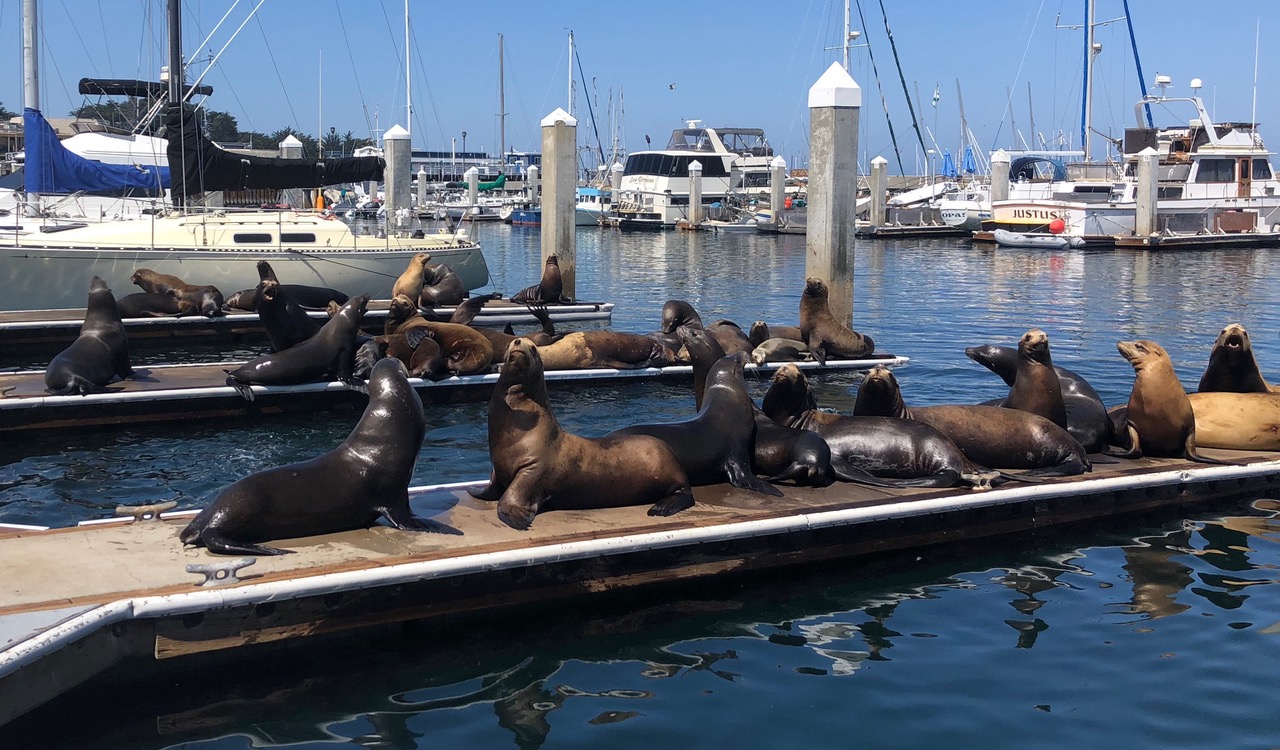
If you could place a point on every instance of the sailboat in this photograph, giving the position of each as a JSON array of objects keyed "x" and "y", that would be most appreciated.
[{"x": 42, "y": 269}]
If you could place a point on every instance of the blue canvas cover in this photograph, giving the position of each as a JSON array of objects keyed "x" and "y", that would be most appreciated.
[{"x": 51, "y": 168}]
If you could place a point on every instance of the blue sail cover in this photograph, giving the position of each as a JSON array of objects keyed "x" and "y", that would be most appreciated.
[{"x": 51, "y": 168}]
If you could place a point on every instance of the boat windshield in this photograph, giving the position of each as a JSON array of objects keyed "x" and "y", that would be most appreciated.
[{"x": 690, "y": 139}]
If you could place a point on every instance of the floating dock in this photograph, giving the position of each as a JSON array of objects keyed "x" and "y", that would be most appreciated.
[
  {"x": 115, "y": 595},
  {"x": 199, "y": 391},
  {"x": 919, "y": 231},
  {"x": 62, "y": 326},
  {"x": 1218, "y": 240}
]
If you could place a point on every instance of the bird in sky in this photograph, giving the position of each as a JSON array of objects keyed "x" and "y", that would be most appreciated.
[{"x": 671, "y": 86}]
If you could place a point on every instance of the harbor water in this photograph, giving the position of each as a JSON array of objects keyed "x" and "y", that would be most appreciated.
[{"x": 1155, "y": 632}]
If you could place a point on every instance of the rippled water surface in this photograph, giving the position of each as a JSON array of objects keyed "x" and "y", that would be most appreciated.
[{"x": 1159, "y": 633}]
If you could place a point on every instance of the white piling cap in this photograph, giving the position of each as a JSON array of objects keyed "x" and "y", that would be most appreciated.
[
  {"x": 289, "y": 140},
  {"x": 1148, "y": 151},
  {"x": 559, "y": 116},
  {"x": 878, "y": 161},
  {"x": 1000, "y": 157},
  {"x": 470, "y": 172},
  {"x": 616, "y": 167},
  {"x": 778, "y": 163},
  {"x": 835, "y": 89},
  {"x": 396, "y": 133},
  {"x": 695, "y": 166}
]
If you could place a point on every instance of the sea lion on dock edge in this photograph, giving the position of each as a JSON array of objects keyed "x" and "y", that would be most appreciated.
[
  {"x": 467, "y": 351},
  {"x": 822, "y": 333},
  {"x": 99, "y": 353},
  {"x": 1087, "y": 417},
  {"x": 879, "y": 451},
  {"x": 441, "y": 285},
  {"x": 207, "y": 298},
  {"x": 286, "y": 323},
  {"x": 410, "y": 282},
  {"x": 716, "y": 444},
  {"x": 582, "y": 350},
  {"x": 350, "y": 487},
  {"x": 465, "y": 312},
  {"x": 419, "y": 351},
  {"x": 1232, "y": 366},
  {"x": 1237, "y": 421},
  {"x": 1159, "y": 421},
  {"x": 308, "y": 297},
  {"x": 331, "y": 351},
  {"x": 677, "y": 313},
  {"x": 778, "y": 453},
  {"x": 550, "y": 288},
  {"x": 990, "y": 436},
  {"x": 761, "y": 332},
  {"x": 1035, "y": 387},
  {"x": 148, "y": 305},
  {"x": 539, "y": 466},
  {"x": 779, "y": 350}
]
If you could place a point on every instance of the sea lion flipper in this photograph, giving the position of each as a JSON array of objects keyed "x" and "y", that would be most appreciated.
[
  {"x": 399, "y": 516},
  {"x": 244, "y": 389},
  {"x": 1135, "y": 445},
  {"x": 742, "y": 478},
  {"x": 521, "y": 500},
  {"x": 673, "y": 503},
  {"x": 215, "y": 542},
  {"x": 819, "y": 353},
  {"x": 491, "y": 491},
  {"x": 1191, "y": 453}
]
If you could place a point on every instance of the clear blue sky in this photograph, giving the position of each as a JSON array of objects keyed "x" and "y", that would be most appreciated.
[{"x": 746, "y": 63}]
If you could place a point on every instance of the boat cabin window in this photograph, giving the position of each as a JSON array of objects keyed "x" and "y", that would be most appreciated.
[
  {"x": 1216, "y": 170},
  {"x": 297, "y": 237},
  {"x": 252, "y": 237},
  {"x": 690, "y": 139},
  {"x": 667, "y": 165},
  {"x": 1261, "y": 169}
]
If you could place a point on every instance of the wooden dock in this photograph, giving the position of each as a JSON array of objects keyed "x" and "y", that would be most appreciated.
[
  {"x": 199, "y": 391},
  {"x": 921, "y": 231},
  {"x": 80, "y": 601},
  {"x": 62, "y": 326},
  {"x": 1202, "y": 241}
]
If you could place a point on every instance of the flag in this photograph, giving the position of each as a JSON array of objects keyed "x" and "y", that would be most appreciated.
[{"x": 936, "y": 95}]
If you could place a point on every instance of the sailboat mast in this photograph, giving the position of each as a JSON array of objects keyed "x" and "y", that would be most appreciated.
[
  {"x": 176, "y": 75},
  {"x": 847, "y": 31},
  {"x": 502, "y": 111},
  {"x": 1086, "y": 122},
  {"x": 571, "y": 72},
  {"x": 30, "y": 54},
  {"x": 408, "y": 87}
]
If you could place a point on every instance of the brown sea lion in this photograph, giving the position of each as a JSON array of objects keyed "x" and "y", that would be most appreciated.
[
  {"x": 441, "y": 286},
  {"x": 363, "y": 479},
  {"x": 207, "y": 299},
  {"x": 148, "y": 305},
  {"x": 1087, "y": 418},
  {"x": 587, "y": 349},
  {"x": 1232, "y": 366},
  {"x": 677, "y": 313},
  {"x": 1237, "y": 421},
  {"x": 500, "y": 340},
  {"x": 286, "y": 323},
  {"x": 779, "y": 350},
  {"x": 1036, "y": 387},
  {"x": 331, "y": 352},
  {"x": 822, "y": 333},
  {"x": 716, "y": 444},
  {"x": 549, "y": 289},
  {"x": 539, "y": 466},
  {"x": 98, "y": 355},
  {"x": 1159, "y": 420},
  {"x": 990, "y": 436},
  {"x": 871, "y": 450},
  {"x": 466, "y": 350},
  {"x": 419, "y": 351},
  {"x": 761, "y": 332},
  {"x": 410, "y": 282}
]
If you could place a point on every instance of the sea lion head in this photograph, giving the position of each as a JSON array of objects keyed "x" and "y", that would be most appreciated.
[
  {"x": 700, "y": 344},
  {"x": 1142, "y": 354},
  {"x": 401, "y": 309},
  {"x": 788, "y": 396},
  {"x": 420, "y": 260},
  {"x": 355, "y": 308},
  {"x": 388, "y": 374},
  {"x": 759, "y": 333},
  {"x": 552, "y": 260},
  {"x": 727, "y": 370},
  {"x": 139, "y": 275},
  {"x": 1234, "y": 342},
  {"x": 522, "y": 362},
  {"x": 984, "y": 355},
  {"x": 815, "y": 287},
  {"x": 676, "y": 313},
  {"x": 269, "y": 292},
  {"x": 1034, "y": 345},
  {"x": 97, "y": 285},
  {"x": 265, "y": 272},
  {"x": 879, "y": 395}
]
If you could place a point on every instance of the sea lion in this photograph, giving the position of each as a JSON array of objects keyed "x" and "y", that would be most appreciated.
[
  {"x": 1159, "y": 420},
  {"x": 329, "y": 352},
  {"x": 99, "y": 354},
  {"x": 1237, "y": 421},
  {"x": 464, "y": 314},
  {"x": 466, "y": 350},
  {"x": 717, "y": 443},
  {"x": 582, "y": 350},
  {"x": 148, "y": 305},
  {"x": 761, "y": 332},
  {"x": 410, "y": 282},
  {"x": 822, "y": 333},
  {"x": 778, "y": 453},
  {"x": 441, "y": 286},
  {"x": 871, "y": 450},
  {"x": 549, "y": 289},
  {"x": 207, "y": 299},
  {"x": 539, "y": 466},
  {"x": 990, "y": 436},
  {"x": 677, "y": 313},
  {"x": 1232, "y": 366},
  {"x": 1087, "y": 418},
  {"x": 286, "y": 323},
  {"x": 350, "y": 487},
  {"x": 1036, "y": 388},
  {"x": 419, "y": 351},
  {"x": 309, "y": 297},
  {"x": 779, "y": 350}
]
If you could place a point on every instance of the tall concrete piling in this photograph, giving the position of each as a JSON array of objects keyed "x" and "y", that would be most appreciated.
[
  {"x": 879, "y": 186},
  {"x": 291, "y": 148},
  {"x": 397, "y": 148},
  {"x": 559, "y": 194},
  {"x": 1000, "y": 176},
  {"x": 777, "y": 189},
  {"x": 1148, "y": 192},
  {"x": 695, "y": 193},
  {"x": 834, "y": 104},
  {"x": 531, "y": 184}
]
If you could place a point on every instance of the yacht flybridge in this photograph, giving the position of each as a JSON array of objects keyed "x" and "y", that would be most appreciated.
[{"x": 655, "y": 184}]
